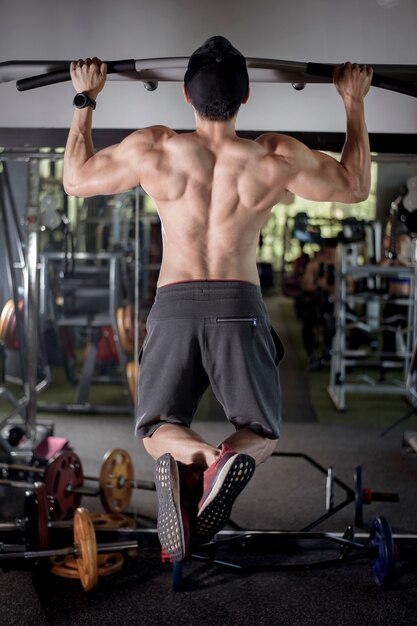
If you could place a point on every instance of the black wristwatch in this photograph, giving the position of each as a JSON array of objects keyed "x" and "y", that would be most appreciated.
[{"x": 81, "y": 101}]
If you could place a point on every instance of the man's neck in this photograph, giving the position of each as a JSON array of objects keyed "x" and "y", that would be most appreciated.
[{"x": 215, "y": 131}]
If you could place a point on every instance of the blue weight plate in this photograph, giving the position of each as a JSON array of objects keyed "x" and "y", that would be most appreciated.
[{"x": 383, "y": 561}]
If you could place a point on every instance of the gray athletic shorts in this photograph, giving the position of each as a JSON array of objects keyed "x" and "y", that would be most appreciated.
[{"x": 214, "y": 333}]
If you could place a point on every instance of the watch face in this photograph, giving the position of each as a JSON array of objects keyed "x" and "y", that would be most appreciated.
[{"x": 80, "y": 100}]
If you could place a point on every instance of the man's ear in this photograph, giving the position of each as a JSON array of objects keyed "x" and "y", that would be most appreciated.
[
  {"x": 186, "y": 97},
  {"x": 246, "y": 98}
]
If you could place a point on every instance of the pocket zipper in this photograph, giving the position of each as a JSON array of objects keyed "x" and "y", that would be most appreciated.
[{"x": 252, "y": 320}]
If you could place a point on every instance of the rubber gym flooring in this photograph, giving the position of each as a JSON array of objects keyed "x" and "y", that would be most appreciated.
[{"x": 286, "y": 493}]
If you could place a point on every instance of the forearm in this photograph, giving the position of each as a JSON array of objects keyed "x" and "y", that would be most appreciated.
[
  {"x": 88, "y": 78},
  {"x": 355, "y": 157},
  {"x": 78, "y": 150}
]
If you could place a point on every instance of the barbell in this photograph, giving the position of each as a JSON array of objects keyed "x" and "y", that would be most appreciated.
[
  {"x": 86, "y": 559},
  {"x": 380, "y": 547},
  {"x": 36, "y": 523},
  {"x": 84, "y": 549},
  {"x": 64, "y": 480}
]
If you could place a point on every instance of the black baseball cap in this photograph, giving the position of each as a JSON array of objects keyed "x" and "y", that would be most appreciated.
[{"x": 216, "y": 72}]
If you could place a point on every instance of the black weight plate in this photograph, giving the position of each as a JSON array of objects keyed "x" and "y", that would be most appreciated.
[
  {"x": 358, "y": 497},
  {"x": 31, "y": 515}
]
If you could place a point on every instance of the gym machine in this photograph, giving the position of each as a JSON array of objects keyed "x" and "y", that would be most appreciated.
[
  {"x": 373, "y": 298},
  {"x": 19, "y": 328},
  {"x": 361, "y": 309},
  {"x": 87, "y": 296},
  {"x": 404, "y": 210},
  {"x": 26, "y": 315}
]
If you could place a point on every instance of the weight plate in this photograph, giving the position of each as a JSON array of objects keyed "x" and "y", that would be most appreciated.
[
  {"x": 66, "y": 566},
  {"x": 8, "y": 324},
  {"x": 132, "y": 370},
  {"x": 42, "y": 517},
  {"x": 349, "y": 535},
  {"x": 112, "y": 520},
  {"x": 86, "y": 549},
  {"x": 110, "y": 563},
  {"x": 31, "y": 515},
  {"x": 381, "y": 541},
  {"x": 63, "y": 473},
  {"x": 125, "y": 342},
  {"x": 358, "y": 496},
  {"x": 116, "y": 480}
]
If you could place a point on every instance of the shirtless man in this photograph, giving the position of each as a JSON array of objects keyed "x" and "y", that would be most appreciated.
[{"x": 214, "y": 192}]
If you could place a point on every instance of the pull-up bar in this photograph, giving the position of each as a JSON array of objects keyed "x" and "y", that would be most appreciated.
[{"x": 34, "y": 74}]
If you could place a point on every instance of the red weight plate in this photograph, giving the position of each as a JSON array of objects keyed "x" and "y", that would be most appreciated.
[{"x": 63, "y": 475}]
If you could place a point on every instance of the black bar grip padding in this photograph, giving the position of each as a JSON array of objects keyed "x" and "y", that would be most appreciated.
[
  {"x": 384, "y": 82},
  {"x": 320, "y": 69},
  {"x": 61, "y": 76}
]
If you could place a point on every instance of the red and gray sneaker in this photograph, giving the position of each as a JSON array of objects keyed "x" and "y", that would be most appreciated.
[
  {"x": 176, "y": 487},
  {"x": 223, "y": 482}
]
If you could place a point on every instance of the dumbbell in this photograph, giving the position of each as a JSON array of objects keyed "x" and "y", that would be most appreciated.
[
  {"x": 84, "y": 549},
  {"x": 64, "y": 480}
]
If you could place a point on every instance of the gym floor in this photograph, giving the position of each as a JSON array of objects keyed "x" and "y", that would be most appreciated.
[{"x": 286, "y": 493}]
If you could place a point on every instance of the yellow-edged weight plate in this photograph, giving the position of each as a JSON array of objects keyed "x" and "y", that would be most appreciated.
[
  {"x": 132, "y": 371},
  {"x": 86, "y": 549},
  {"x": 116, "y": 480},
  {"x": 112, "y": 520},
  {"x": 66, "y": 566},
  {"x": 110, "y": 563},
  {"x": 125, "y": 342}
]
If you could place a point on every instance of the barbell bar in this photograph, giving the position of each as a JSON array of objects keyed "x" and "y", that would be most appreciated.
[
  {"x": 85, "y": 549},
  {"x": 381, "y": 548},
  {"x": 64, "y": 480},
  {"x": 36, "y": 523}
]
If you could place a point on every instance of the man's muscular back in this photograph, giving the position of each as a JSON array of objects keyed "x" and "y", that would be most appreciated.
[{"x": 213, "y": 196}]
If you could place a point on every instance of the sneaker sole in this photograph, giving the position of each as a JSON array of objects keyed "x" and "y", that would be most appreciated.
[
  {"x": 169, "y": 522},
  {"x": 216, "y": 510}
]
